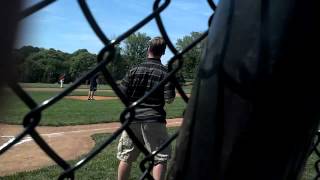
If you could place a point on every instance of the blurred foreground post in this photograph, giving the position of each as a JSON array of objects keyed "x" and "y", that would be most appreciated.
[{"x": 255, "y": 105}]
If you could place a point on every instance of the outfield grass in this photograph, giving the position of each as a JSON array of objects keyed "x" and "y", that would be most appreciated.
[
  {"x": 73, "y": 112},
  {"x": 186, "y": 88},
  {"x": 57, "y": 85},
  {"x": 103, "y": 166}
]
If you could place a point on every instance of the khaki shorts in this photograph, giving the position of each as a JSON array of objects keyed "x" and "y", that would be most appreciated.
[{"x": 152, "y": 135}]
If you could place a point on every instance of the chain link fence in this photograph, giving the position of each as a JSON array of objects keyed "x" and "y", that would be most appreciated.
[
  {"x": 105, "y": 56},
  {"x": 316, "y": 151}
]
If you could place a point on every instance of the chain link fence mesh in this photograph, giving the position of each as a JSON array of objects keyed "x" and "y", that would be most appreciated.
[
  {"x": 315, "y": 150},
  {"x": 105, "y": 56}
]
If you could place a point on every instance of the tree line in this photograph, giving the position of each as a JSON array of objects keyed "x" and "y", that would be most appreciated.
[{"x": 47, "y": 65}]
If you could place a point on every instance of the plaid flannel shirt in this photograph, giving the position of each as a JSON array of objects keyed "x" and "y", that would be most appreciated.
[{"x": 139, "y": 81}]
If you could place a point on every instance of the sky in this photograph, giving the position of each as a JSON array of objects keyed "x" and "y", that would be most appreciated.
[{"x": 62, "y": 25}]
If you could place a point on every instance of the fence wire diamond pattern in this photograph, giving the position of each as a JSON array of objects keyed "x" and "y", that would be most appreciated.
[{"x": 105, "y": 56}]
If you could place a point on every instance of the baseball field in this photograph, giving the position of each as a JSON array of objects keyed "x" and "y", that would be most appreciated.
[{"x": 73, "y": 127}]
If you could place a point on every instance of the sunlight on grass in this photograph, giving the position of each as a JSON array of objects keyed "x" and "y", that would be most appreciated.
[{"x": 103, "y": 166}]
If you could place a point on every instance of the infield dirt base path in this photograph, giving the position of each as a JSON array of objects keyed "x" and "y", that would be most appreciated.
[{"x": 69, "y": 142}]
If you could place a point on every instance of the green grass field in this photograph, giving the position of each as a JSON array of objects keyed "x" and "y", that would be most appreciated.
[
  {"x": 73, "y": 112},
  {"x": 187, "y": 88},
  {"x": 57, "y": 85},
  {"x": 103, "y": 166}
]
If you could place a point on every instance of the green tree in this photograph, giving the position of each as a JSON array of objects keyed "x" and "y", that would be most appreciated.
[
  {"x": 20, "y": 55},
  {"x": 38, "y": 64},
  {"x": 192, "y": 58},
  {"x": 32, "y": 71},
  {"x": 41, "y": 65},
  {"x": 119, "y": 66},
  {"x": 135, "y": 48},
  {"x": 51, "y": 63},
  {"x": 80, "y": 62},
  {"x": 53, "y": 69},
  {"x": 47, "y": 65}
]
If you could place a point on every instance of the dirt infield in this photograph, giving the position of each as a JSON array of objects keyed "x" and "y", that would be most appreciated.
[{"x": 69, "y": 142}]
